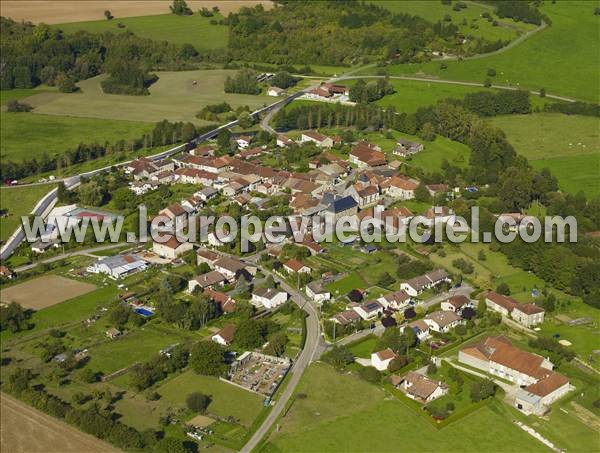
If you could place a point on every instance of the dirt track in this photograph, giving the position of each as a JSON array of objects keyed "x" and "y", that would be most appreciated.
[
  {"x": 26, "y": 430},
  {"x": 61, "y": 11},
  {"x": 45, "y": 291}
]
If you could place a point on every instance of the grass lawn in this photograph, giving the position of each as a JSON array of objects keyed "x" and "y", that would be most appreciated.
[
  {"x": 363, "y": 348},
  {"x": 18, "y": 201},
  {"x": 475, "y": 25},
  {"x": 226, "y": 398},
  {"x": 545, "y": 59},
  {"x": 20, "y": 93},
  {"x": 195, "y": 29},
  {"x": 574, "y": 173},
  {"x": 327, "y": 420},
  {"x": 569, "y": 145},
  {"x": 173, "y": 97},
  {"x": 135, "y": 346},
  {"x": 346, "y": 284},
  {"x": 29, "y": 135}
]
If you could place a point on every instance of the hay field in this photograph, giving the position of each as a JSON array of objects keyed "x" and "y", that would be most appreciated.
[
  {"x": 45, "y": 291},
  {"x": 173, "y": 97},
  {"x": 61, "y": 11},
  {"x": 26, "y": 430}
]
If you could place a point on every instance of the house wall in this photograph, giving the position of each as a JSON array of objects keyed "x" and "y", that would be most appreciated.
[
  {"x": 468, "y": 359},
  {"x": 495, "y": 307},
  {"x": 409, "y": 289},
  {"x": 527, "y": 320}
]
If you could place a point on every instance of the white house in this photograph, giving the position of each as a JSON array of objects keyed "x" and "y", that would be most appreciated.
[
  {"x": 315, "y": 137},
  {"x": 369, "y": 309},
  {"x": 419, "y": 327},
  {"x": 380, "y": 360},
  {"x": 243, "y": 141},
  {"x": 525, "y": 314},
  {"x": 283, "y": 141},
  {"x": 207, "y": 280},
  {"x": 419, "y": 387},
  {"x": 457, "y": 304},
  {"x": 294, "y": 266},
  {"x": 317, "y": 292},
  {"x": 396, "y": 301},
  {"x": 417, "y": 285},
  {"x": 229, "y": 267},
  {"x": 275, "y": 91},
  {"x": 268, "y": 297},
  {"x": 224, "y": 337},
  {"x": 442, "y": 321}
]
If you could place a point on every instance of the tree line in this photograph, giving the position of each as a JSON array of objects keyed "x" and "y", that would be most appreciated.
[{"x": 163, "y": 133}]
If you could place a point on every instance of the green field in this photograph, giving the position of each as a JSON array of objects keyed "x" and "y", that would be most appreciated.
[
  {"x": 20, "y": 93},
  {"x": 68, "y": 312},
  {"x": 173, "y": 97},
  {"x": 569, "y": 145},
  {"x": 195, "y": 29},
  {"x": 18, "y": 201},
  {"x": 476, "y": 26},
  {"x": 547, "y": 59},
  {"x": 226, "y": 398},
  {"x": 29, "y": 135},
  {"x": 344, "y": 413}
]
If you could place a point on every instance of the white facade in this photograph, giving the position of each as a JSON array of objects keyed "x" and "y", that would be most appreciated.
[{"x": 271, "y": 299}]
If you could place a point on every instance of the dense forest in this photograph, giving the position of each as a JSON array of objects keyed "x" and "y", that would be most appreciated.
[
  {"x": 31, "y": 55},
  {"x": 338, "y": 32}
]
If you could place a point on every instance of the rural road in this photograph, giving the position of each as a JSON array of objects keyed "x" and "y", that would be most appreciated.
[
  {"x": 85, "y": 252},
  {"x": 454, "y": 82},
  {"x": 311, "y": 349}
]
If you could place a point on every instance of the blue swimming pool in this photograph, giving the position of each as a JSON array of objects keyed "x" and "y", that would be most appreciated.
[{"x": 144, "y": 312}]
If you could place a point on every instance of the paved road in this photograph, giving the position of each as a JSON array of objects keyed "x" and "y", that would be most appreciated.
[
  {"x": 84, "y": 252},
  {"x": 308, "y": 354},
  {"x": 464, "y": 290}
]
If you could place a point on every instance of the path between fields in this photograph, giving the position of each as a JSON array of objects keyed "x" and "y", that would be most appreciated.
[
  {"x": 84, "y": 252},
  {"x": 455, "y": 82},
  {"x": 27, "y": 430}
]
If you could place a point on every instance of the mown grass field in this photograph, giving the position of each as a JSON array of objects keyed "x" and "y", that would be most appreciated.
[
  {"x": 173, "y": 97},
  {"x": 195, "y": 29},
  {"x": 562, "y": 58},
  {"x": 569, "y": 145},
  {"x": 476, "y": 25},
  {"x": 18, "y": 201},
  {"x": 328, "y": 420},
  {"x": 29, "y": 135},
  {"x": 226, "y": 399}
]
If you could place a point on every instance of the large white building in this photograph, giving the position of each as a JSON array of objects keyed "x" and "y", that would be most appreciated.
[
  {"x": 540, "y": 386},
  {"x": 118, "y": 266}
]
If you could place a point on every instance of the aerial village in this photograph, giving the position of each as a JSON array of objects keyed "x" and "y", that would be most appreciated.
[{"x": 382, "y": 307}]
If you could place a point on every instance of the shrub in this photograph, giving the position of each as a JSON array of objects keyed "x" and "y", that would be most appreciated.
[
  {"x": 370, "y": 374},
  {"x": 197, "y": 402},
  {"x": 16, "y": 106}
]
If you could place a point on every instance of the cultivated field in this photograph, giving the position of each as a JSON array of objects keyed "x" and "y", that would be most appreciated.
[
  {"x": 26, "y": 430},
  {"x": 61, "y": 11},
  {"x": 195, "y": 30},
  {"x": 569, "y": 145},
  {"x": 173, "y": 97},
  {"x": 546, "y": 59},
  {"x": 475, "y": 25},
  {"x": 45, "y": 291}
]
